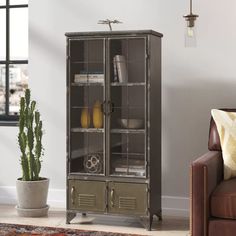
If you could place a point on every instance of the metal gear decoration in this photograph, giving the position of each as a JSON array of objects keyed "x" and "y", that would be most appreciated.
[
  {"x": 93, "y": 163},
  {"x": 109, "y": 22}
]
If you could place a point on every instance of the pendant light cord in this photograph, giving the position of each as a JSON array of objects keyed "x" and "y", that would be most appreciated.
[{"x": 191, "y": 7}]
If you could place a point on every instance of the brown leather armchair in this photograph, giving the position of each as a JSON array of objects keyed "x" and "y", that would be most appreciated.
[{"x": 213, "y": 200}]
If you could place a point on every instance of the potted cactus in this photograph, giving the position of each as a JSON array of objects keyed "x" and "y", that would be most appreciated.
[{"x": 31, "y": 189}]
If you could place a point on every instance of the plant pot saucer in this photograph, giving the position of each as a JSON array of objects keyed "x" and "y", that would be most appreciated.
[{"x": 32, "y": 212}]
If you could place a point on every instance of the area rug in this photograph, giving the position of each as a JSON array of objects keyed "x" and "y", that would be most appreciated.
[{"x": 27, "y": 230}]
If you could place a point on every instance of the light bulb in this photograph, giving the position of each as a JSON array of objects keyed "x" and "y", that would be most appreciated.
[
  {"x": 190, "y": 31},
  {"x": 190, "y": 37}
]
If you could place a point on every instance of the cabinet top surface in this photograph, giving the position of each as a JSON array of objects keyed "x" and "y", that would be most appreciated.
[{"x": 114, "y": 33}]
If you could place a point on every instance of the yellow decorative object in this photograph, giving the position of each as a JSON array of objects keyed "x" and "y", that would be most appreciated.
[
  {"x": 97, "y": 115},
  {"x": 226, "y": 127},
  {"x": 85, "y": 118}
]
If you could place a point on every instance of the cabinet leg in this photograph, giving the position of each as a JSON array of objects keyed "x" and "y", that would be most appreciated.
[
  {"x": 70, "y": 216},
  {"x": 150, "y": 222},
  {"x": 159, "y": 216}
]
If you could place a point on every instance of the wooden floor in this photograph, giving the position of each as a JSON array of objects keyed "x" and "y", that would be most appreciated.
[{"x": 56, "y": 218}]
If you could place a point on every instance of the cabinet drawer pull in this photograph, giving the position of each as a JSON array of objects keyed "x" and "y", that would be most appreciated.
[
  {"x": 72, "y": 195},
  {"x": 112, "y": 197}
]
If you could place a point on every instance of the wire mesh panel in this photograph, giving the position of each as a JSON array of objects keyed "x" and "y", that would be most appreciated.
[
  {"x": 128, "y": 117},
  {"x": 87, "y": 79}
]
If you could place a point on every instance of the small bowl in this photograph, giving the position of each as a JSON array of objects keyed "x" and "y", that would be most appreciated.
[{"x": 131, "y": 123}]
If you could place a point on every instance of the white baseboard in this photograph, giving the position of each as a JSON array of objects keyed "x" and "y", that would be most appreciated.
[
  {"x": 7, "y": 195},
  {"x": 175, "y": 206},
  {"x": 56, "y": 197},
  {"x": 171, "y": 205}
]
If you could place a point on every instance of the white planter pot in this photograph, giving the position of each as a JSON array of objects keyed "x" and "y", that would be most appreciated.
[{"x": 32, "y": 198}]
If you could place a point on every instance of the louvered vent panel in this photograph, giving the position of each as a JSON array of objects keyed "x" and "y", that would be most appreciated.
[
  {"x": 127, "y": 203},
  {"x": 87, "y": 200}
]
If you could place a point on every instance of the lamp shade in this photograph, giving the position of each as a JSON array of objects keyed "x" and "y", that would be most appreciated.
[{"x": 190, "y": 36}]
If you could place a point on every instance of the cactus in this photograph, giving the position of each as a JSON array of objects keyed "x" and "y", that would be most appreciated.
[{"x": 30, "y": 138}]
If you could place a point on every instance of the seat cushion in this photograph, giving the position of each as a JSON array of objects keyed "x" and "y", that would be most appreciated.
[
  {"x": 226, "y": 126},
  {"x": 221, "y": 227},
  {"x": 223, "y": 200}
]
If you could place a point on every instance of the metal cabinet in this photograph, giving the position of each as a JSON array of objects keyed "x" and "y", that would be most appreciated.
[{"x": 114, "y": 123}]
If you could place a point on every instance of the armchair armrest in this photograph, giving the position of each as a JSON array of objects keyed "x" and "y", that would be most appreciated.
[{"x": 206, "y": 173}]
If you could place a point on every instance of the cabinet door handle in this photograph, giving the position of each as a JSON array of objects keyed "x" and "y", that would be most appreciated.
[
  {"x": 112, "y": 197},
  {"x": 103, "y": 107},
  {"x": 72, "y": 193},
  {"x": 111, "y": 107}
]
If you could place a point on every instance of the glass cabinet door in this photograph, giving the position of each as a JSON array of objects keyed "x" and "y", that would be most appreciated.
[
  {"x": 128, "y": 110},
  {"x": 87, "y": 79}
]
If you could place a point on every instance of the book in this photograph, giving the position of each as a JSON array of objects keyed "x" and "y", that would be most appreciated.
[
  {"x": 115, "y": 70},
  {"x": 89, "y": 78},
  {"x": 120, "y": 69}
]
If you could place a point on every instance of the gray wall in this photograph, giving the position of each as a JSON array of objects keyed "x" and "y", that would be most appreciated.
[{"x": 194, "y": 79}]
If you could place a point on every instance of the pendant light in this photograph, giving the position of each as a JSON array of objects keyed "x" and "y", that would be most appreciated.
[{"x": 190, "y": 32}]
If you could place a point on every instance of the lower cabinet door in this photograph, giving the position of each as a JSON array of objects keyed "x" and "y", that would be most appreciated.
[
  {"x": 87, "y": 195},
  {"x": 127, "y": 198}
]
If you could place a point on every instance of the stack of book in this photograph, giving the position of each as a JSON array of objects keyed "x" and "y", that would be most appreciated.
[
  {"x": 132, "y": 170},
  {"x": 134, "y": 167},
  {"x": 89, "y": 77}
]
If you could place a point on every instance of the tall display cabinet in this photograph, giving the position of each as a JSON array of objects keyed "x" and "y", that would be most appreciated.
[{"x": 114, "y": 123}]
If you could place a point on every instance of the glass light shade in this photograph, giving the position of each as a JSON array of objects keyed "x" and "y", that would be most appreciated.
[{"x": 190, "y": 37}]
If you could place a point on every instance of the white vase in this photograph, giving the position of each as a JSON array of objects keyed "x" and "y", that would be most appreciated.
[{"x": 32, "y": 197}]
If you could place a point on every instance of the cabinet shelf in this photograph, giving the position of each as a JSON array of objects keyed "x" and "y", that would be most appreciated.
[
  {"x": 87, "y": 130},
  {"x": 85, "y": 174},
  {"x": 128, "y": 84},
  {"x": 101, "y": 130},
  {"x": 130, "y": 153},
  {"x": 113, "y": 84},
  {"x": 87, "y": 84},
  {"x": 86, "y": 62},
  {"x": 128, "y": 131}
]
